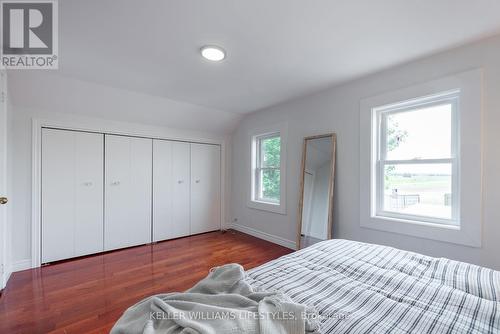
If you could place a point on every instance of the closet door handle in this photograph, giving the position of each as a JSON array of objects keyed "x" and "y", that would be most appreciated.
[
  {"x": 87, "y": 184},
  {"x": 180, "y": 181},
  {"x": 197, "y": 181},
  {"x": 115, "y": 183}
]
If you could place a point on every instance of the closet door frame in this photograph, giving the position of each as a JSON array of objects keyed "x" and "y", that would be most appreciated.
[{"x": 102, "y": 127}]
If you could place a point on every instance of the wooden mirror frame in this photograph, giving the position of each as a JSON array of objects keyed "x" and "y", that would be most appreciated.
[{"x": 331, "y": 187}]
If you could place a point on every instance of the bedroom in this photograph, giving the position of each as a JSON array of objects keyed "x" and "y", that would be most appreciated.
[{"x": 158, "y": 140}]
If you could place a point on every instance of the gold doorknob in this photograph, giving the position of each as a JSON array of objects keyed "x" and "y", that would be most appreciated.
[{"x": 3, "y": 200}]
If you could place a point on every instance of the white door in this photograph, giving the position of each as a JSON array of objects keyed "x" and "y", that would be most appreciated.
[
  {"x": 72, "y": 194},
  {"x": 181, "y": 172},
  {"x": 89, "y": 194},
  {"x": 205, "y": 188},
  {"x": 128, "y": 190},
  {"x": 3, "y": 178},
  {"x": 163, "y": 190}
]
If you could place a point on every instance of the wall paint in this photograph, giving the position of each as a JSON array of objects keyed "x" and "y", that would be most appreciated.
[
  {"x": 337, "y": 110},
  {"x": 22, "y": 164},
  {"x": 56, "y": 93}
]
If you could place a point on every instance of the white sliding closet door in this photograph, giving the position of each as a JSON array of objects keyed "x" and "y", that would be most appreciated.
[
  {"x": 128, "y": 191},
  {"x": 163, "y": 190},
  {"x": 171, "y": 170},
  {"x": 181, "y": 172},
  {"x": 205, "y": 188},
  {"x": 72, "y": 194}
]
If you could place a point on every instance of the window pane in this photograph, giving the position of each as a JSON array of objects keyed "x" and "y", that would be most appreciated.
[
  {"x": 270, "y": 185},
  {"x": 423, "y": 133},
  {"x": 270, "y": 152},
  {"x": 418, "y": 189}
]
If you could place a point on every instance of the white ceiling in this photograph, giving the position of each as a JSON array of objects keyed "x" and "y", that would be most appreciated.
[{"x": 276, "y": 49}]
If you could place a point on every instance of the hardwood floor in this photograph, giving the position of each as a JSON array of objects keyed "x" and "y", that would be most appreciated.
[{"x": 88, "y": 295}]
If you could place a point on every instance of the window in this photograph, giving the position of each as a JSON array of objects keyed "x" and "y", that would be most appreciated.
[
  {"x": 268, "y": 168},
  {"x": 416, "y": 170},
  {"x": 420, "y": 160}
]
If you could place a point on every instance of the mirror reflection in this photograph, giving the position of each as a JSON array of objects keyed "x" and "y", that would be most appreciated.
[{"x": 316, "y": 205}]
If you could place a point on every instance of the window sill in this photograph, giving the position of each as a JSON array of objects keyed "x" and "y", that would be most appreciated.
[
  {"x": 421, "y": 229},
  {"x": 418, "y": 220},
  {"x": 423, "y": 222},
  {"x": 267, "y": 206}
]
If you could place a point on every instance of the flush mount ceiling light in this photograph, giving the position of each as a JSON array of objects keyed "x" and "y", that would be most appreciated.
[{"x": 213, "y": 53}]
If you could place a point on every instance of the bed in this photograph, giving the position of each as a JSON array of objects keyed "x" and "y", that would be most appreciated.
[{"x": 364, "y": 288}]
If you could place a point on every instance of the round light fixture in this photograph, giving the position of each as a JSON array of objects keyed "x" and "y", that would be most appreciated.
[{"x": 213, "y": 53}]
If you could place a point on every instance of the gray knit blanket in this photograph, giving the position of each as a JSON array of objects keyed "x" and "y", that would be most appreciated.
[{"x": 223, "y": 302}]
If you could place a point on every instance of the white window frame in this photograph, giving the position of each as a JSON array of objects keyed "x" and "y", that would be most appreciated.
[
  {"x": 254, "y": 200},
  {"x": 259, "y": 168},
  {"x": 468, "y": 151},
  {"x": 379, "y": 119}
]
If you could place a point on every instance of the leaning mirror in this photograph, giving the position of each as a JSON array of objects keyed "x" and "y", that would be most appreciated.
[{"x": 316, "y": 190}]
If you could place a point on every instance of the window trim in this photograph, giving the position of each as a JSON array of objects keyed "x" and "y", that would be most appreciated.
[
  {"x": 257, "y": 197},
  {"x": 470, "y": 148},
  {"x": 379, "y": 119},
  {"x": 252, "y": 201}
]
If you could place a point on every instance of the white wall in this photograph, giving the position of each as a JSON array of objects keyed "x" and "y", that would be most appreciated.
[
  {"x": 48, "y": 91},
  {"x": 90, "y": 106},
  {"x": 337, "y": 110}
]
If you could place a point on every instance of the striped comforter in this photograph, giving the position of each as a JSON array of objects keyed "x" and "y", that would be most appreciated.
[{"x": 364, "y": 288}]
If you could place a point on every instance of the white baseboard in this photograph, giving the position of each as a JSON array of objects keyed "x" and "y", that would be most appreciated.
[
  {"x": 20, "y": 265},
  {"x": 265, "y": 236},
  {"x": 226, "y": 226},
  {"x": 6, "y": 275},
  {"x": 12, "y": 268}
]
